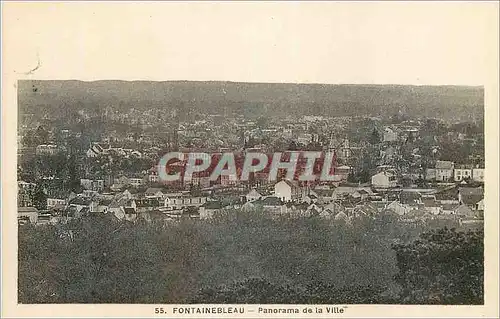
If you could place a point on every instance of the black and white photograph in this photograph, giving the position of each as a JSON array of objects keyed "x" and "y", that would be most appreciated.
[{"x": 240, "y": 159}]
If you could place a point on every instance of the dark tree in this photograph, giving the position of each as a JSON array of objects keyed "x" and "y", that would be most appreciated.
[
  {"x": 374, "y": 137},
  {"x": 442, "y": 267},
  {"x": 39, "y": 197}
]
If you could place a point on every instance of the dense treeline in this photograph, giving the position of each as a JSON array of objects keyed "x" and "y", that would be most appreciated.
[
  {"x": 247, "y": 258},
  {"x": 271, "y": 99}
]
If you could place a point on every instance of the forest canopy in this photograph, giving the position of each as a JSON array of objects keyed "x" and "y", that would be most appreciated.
[{"x": 249, "y": 258}]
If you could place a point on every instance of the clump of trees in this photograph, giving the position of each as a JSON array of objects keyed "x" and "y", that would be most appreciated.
[
  {"x": 243, "y": 257},
  {"x": 442, "y": 267}
]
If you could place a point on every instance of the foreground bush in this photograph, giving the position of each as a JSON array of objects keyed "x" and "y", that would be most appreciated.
[
  {"x": 442, "y": 267},
  {"x": 261, "y": 291},
  {"x": 246, "y": 256}
]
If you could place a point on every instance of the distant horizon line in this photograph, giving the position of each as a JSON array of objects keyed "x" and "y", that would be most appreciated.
[{"x": 251, "y": 82}]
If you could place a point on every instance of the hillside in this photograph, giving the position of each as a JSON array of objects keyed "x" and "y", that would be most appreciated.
[{"x": 446, "y": 102}]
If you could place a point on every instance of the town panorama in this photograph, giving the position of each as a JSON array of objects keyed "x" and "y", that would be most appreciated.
[{"x": 399, "y": 220}]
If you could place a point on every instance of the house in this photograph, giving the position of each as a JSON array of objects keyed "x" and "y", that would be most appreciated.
[
  {"x": 478, "y": 175},
  {"x": 480, "y": 205},
  {"x": 472, "y": 197},
  {"x": 384, "y": 180},
  {"x": 398, "y": 208},
  {"x": 327, "y": 214},
  {"x": 447, "y": 196},
  {"x": 253, "y": 195},
  {"x": 411, "y": 200},
  {"x": 46, "y": 149},
  {"x": 314, "y": 209},
  {"x": 366, "y": 209},
  {"x": 153, "y": 177},
  {"x": 24, "y": 194},
  {"x": 53, "y": 202},
  {"x": 97, "y": 185},
  {"x": 324, "y": 193},
  {"x": 464, "y": 211},
  {"x": 86, "y": 183},
  {"x": 444, "y": 170},
  {"x": 248, "y": 206},
  {"x": 81, "y": 202},
  {"x": 449, "y": 209},
  {"x": 89, "y": 193},
  {"x": 129, "y": 213},
  {"x": 208, "y": 209},
  {"x": 408, "y": 197},
  {"x": 44, "y": 219},
  {"x": 416, "y": 216},
  {"x": 95, "y": 150},
  {"x": 154, "y": 193},
  {"x": 103, "y": 205},
  {"x": 273, "y": 204},
  {"x": 136, "y": 153},
  {"x": 310, "y": 198},
  {"x": 430, "y": 174},
  {"x": 343, "y": 191},
  {"x": 461, "y": 173},
  {"x": 180, "y": 201},
  {"x": 390, "y": 135},
  {"x": 27, "y": 214},
  {"x": 26, "y": 186},
  {"x": 147, "y": 204},
  {"x": 343, "y": 171},
  {"x": 115, "y": 208},
  {"x": 128, "y": 193},
  {"x": 136, "y": 182},
  {"x": 432, "y": 206},
  {"x": 288, "y": 191}
]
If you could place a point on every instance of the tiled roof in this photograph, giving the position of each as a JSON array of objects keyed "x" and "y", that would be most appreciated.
[
  {"x": 471, "y": 191},
  {"x": 271, "y": 201},
  {"x": 213, "y": 205},
  {"x": 147, "y": 203},
  {"x": 471, "y": 199},
  {"x": 152, "y": 191},
  {"x": 444, "y": 165},
  {"x": 129, "y": 210}
]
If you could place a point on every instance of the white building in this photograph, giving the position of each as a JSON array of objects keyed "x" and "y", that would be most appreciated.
[
  {"x": 208, "y": 209},
  {"x": 384, "y": 180},
  {"x": 46, "y": 149},
  {"x": 53, "y": 202},
  {"x": 288, "y": 191},
  {"x": 462, "y": 173},
  {"x": 390, "y": 135},
  {"x": 95, "y": 150},
  {"x": 136, "y": 182},
  {"x": 181, "y": 202},
  {"x": 27, "y": 213},
  {"x": 253, "y": 195},
  {"x": 444, "y": 170}
]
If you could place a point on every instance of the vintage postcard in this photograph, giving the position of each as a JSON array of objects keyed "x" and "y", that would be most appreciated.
[{"x": 250, "y": 159}]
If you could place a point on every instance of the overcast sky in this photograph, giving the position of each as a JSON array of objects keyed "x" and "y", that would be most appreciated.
[{"x": 323, "y": 42}]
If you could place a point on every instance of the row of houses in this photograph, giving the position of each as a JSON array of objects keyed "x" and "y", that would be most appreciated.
[
  {"x": 443, "y": 171},
  {"x": 98, "y": 149},
  {"x": 286, "y": 198},
  {"x": 447, "y": 170}
]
